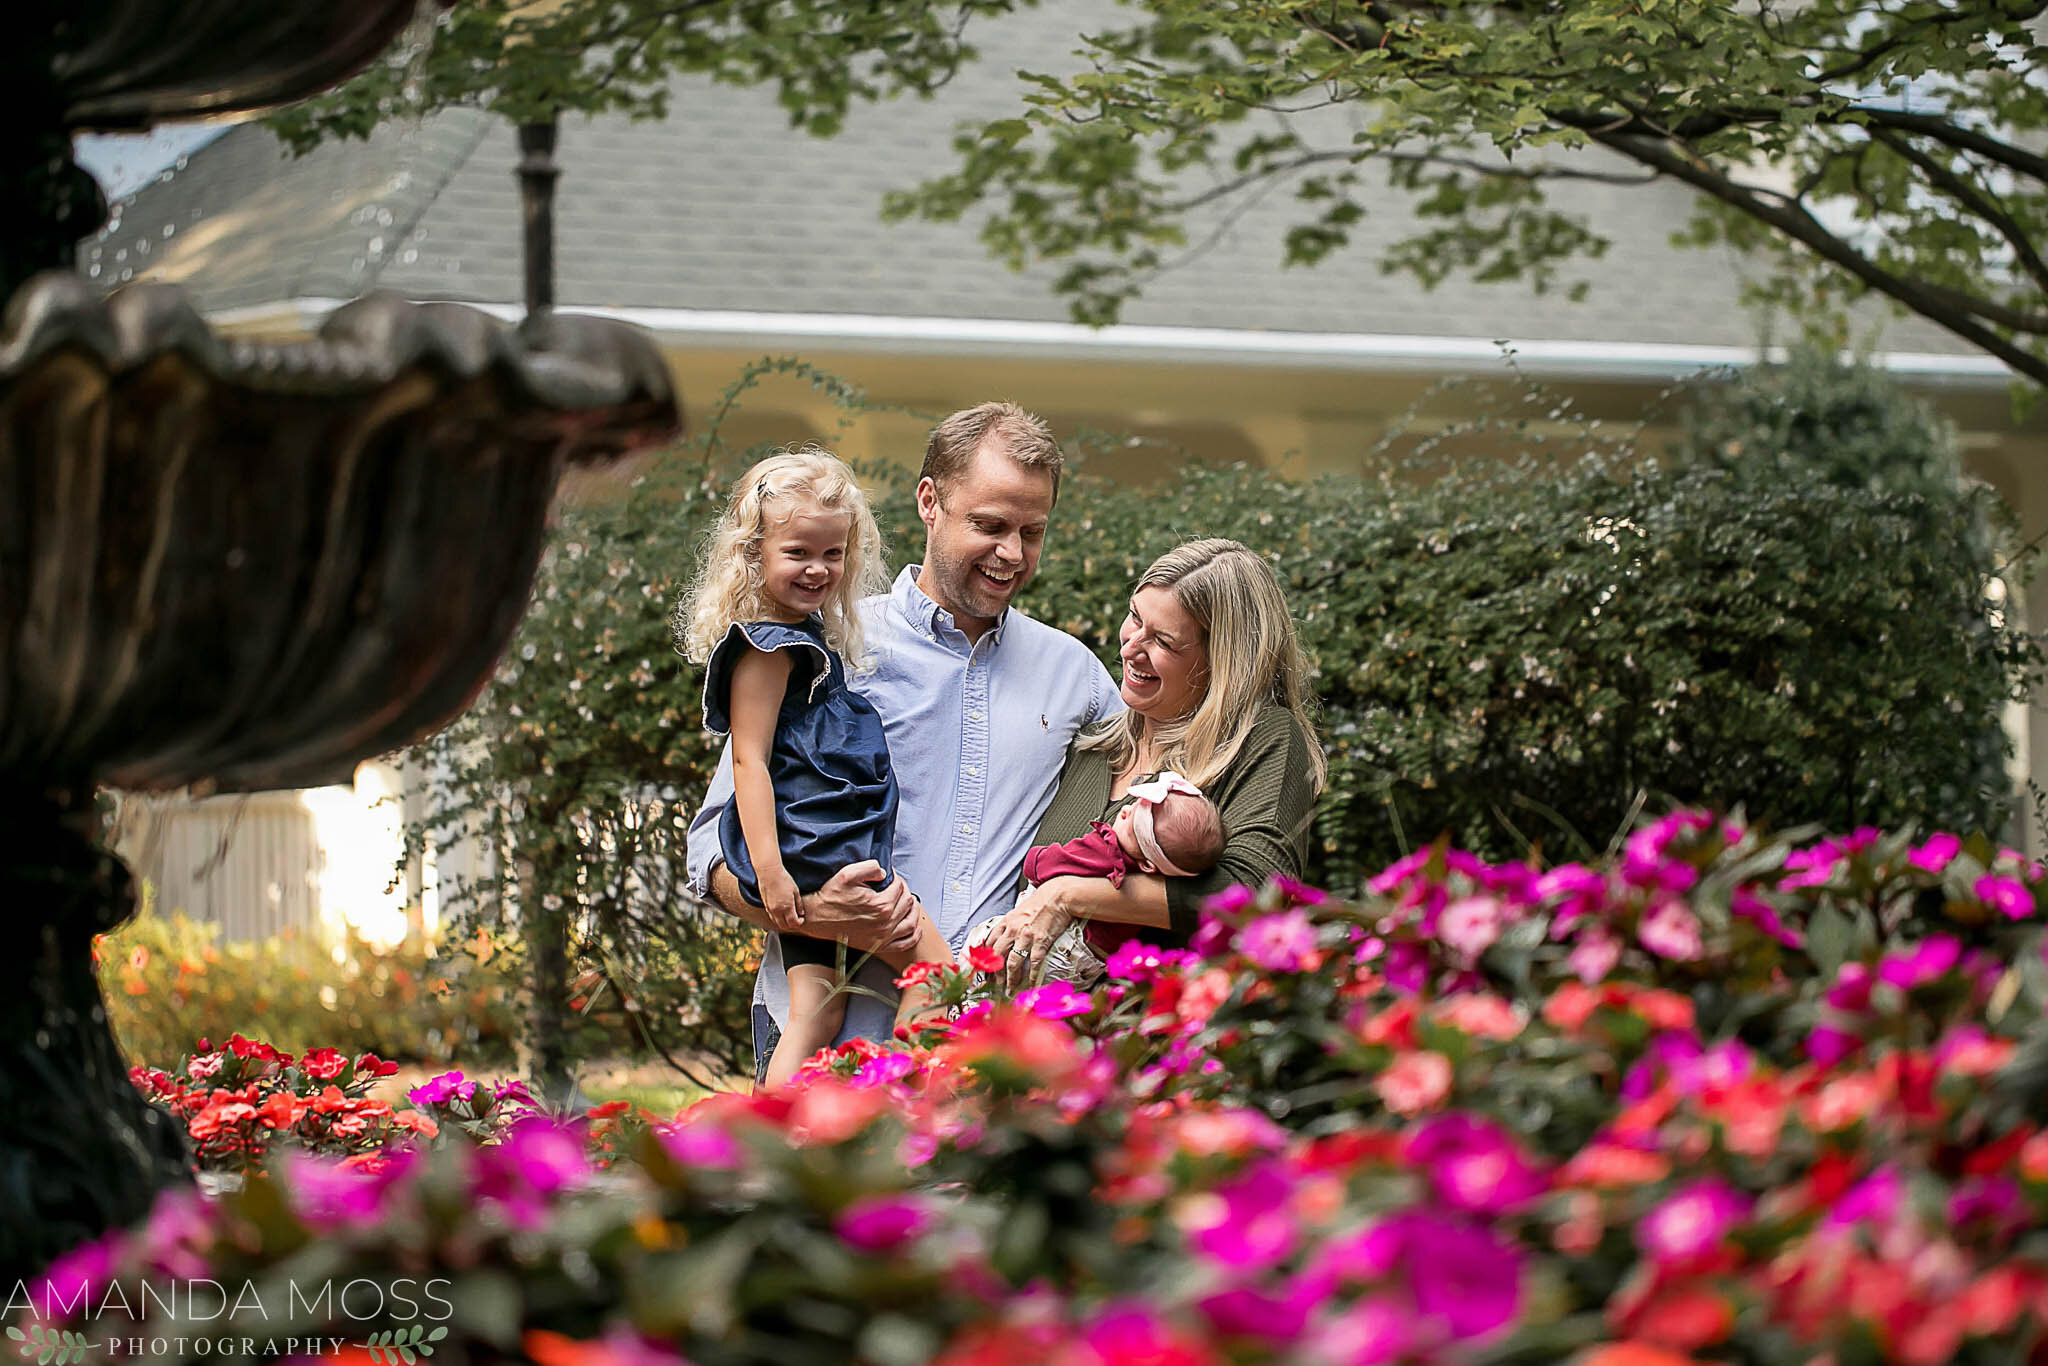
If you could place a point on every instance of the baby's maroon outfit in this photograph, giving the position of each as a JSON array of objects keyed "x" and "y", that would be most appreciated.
[{"x": 1095, "y": 854}]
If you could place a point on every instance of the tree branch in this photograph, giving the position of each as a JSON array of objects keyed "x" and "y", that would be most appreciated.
[
  {"x": 1802, "y": 227},
  {"x": 1978, "y": 200},
  {"x": 1910, "y": 33},
  {"x": 1955, "y": 135},
  {"x": 1306, "y": 159}
]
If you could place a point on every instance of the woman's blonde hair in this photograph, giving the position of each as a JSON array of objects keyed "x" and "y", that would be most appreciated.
[
  {"x": 730, "y": 586},
  {"x": 1254, "y": 658}
]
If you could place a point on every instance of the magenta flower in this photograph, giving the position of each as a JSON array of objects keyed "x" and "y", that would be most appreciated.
[
  {"x": 1293, "y": 893},
  {"x": 1828, "y": 1044},
  {"x": 179, "y": 1230},
  {"x": 1873, "y": 1200},
  {"x": 891, "y": 1066},
  {"x": 78, "y": 1278},
  {"x": 1809, "y": 867},
  {"x": 1936, "y": 853},
  {"x": 536, "y": 1159},
  {"x": 1462, "y": 1275},
  {"x": 1850, "y": 991},
  {"x": 1055, "y": 1001},
  {"x": 1692, "y": 1221},
  {"x": 1671, "y": 931},
  {"x": 1991, "y": 1204},
  {"x": 1749, "y": 904},
  {"x": 1474, "y": 1164},
  {"x": 1272, "y": 1317},
  {"x": 1470, "y": 925},
  {"x": 1282, "y": 942},
  {"x": 328, "y": 1195},
  {"x": 1246, "y": 1223},
  {"x": 1400, "y": 871},
  {"x": 1924, "y": 962},
  {"x": 1134, "y": 961},
  {"x": 882, "y": 1223},
  {"x": 700, "y": 1143},
  {"x": 2008, "y": 896},
  {"x": 1230, "y": 900},
  {"x": 442, "y": 1089}
]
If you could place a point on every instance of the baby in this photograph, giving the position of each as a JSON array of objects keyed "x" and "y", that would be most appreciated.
[{"x": 1167, "y": 827}]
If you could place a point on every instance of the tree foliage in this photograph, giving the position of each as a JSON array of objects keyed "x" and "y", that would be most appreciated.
[
  {"x": 531, "y": 60},
  {"x": 1859, "y": 147}
]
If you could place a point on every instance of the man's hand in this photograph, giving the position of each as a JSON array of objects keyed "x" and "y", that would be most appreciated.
[
  {"x": 849, "y": 908},
  {"x": 1026, "y": 933}
]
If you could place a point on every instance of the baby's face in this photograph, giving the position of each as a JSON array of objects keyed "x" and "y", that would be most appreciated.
[{"x": 1127, "y": 835}]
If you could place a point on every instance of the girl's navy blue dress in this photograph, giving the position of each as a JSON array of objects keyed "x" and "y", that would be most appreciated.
[{"x": 835, "y": 795}]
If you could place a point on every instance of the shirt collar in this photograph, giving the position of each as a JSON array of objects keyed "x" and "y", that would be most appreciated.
[{"x": 930, "y": 618}]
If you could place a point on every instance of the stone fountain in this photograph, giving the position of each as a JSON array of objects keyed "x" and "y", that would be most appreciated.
[{"x": 226, "y": 565}]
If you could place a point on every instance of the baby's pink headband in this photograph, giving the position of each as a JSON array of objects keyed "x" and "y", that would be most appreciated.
[{"x": 1149, "y": 795}]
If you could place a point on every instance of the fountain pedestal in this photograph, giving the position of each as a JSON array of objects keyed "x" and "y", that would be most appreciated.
[{"x": 228, "y": 565}]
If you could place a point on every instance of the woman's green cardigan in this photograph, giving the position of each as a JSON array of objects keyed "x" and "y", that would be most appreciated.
[{"x": 1266, "y": 798}]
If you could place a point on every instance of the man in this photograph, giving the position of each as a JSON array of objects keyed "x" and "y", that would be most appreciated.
[{"x": 978, "y": 701}]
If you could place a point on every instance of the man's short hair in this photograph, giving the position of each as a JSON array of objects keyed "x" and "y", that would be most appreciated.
[{"x": 1024, "y": 437}]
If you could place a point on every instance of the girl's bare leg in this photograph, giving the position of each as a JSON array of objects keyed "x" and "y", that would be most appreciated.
[
  {"x": 931, "y": 947},
  {"x": 816, "y": 1011}
]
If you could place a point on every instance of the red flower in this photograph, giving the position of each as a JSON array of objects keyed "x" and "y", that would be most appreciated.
[{"x": 323, "y": 1064}]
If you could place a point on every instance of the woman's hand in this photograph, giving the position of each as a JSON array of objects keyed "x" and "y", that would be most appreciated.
[{"x": 1025, "y": 934}]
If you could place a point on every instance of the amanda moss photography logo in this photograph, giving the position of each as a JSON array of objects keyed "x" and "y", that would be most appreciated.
[{"x": 396, "y": 1322}]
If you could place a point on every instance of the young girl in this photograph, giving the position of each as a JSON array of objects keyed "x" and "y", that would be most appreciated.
[{"x": 772, "y": 617}]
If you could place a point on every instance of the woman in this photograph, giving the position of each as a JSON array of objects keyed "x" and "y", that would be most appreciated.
[{"x": 1217, "y": 691}]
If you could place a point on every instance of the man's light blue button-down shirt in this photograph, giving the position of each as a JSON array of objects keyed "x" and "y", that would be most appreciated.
[{"x": 977, "y": 732}]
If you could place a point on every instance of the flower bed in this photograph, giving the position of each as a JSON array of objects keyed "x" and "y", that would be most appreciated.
[{"x": 1721, "y": 1097}]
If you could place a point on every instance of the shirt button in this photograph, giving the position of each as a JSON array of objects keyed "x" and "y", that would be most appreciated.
[
  {"x": 958, "y": 884},
  {"x": 974, "y": 716},
  {"x": 966, "y": 829},
  {"x": 974, "y": 770}
]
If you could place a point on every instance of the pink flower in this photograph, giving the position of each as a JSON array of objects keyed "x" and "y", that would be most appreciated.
[
  {"x": 1671, "y": 931},
  {"x": 1415, "y": 1082},
  {"x": 1134, "y": 961},
  {"x": 329, "y": 1195},
  {"x": 1055, "y": 1001},
  {"x": 1594, "y": 956},
  {"x": 1924, "y": 962},
  {"x": 1828, "y": 1044},
  {"x": 1693, "y": 1221},
  {"x": 2008, "y": 896},
  {"x": 1470, "y": 925},
  {"x": 536, "y": 1160},
  {"x": 701, "y": 1143},
  {"x": 1376, "y": 1329},
  {"x": 882, "y": 1223},
  {"x": 1939, "y": 850},
  {"x": 891, "y": 1066},
  {"x": 1293, "y": 893},
  {"x": 1474, "y": 1165},
  {"x": 323, "y": 1064},
  {"x": 1282, "y": 942},
  {"x": 442, "y": 1089}
]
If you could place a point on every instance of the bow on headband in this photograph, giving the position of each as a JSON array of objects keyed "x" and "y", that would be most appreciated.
[{"x": 1148, "y": 795}]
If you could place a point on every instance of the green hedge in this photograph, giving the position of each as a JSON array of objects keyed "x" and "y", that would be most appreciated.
[{"x": 1512, "y": 651}]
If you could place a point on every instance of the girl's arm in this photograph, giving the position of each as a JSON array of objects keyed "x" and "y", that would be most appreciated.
[{"x": 758, "y": 681}]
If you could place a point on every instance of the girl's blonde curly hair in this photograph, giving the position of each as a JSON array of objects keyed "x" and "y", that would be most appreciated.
[{"x": 729, "y": 586}]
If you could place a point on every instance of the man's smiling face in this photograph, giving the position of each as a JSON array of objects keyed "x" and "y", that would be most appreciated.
[{"x": 983, "y": 533}]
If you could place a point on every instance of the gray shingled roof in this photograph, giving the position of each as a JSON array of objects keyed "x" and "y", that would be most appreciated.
[{"x": 722, "y": 206}]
